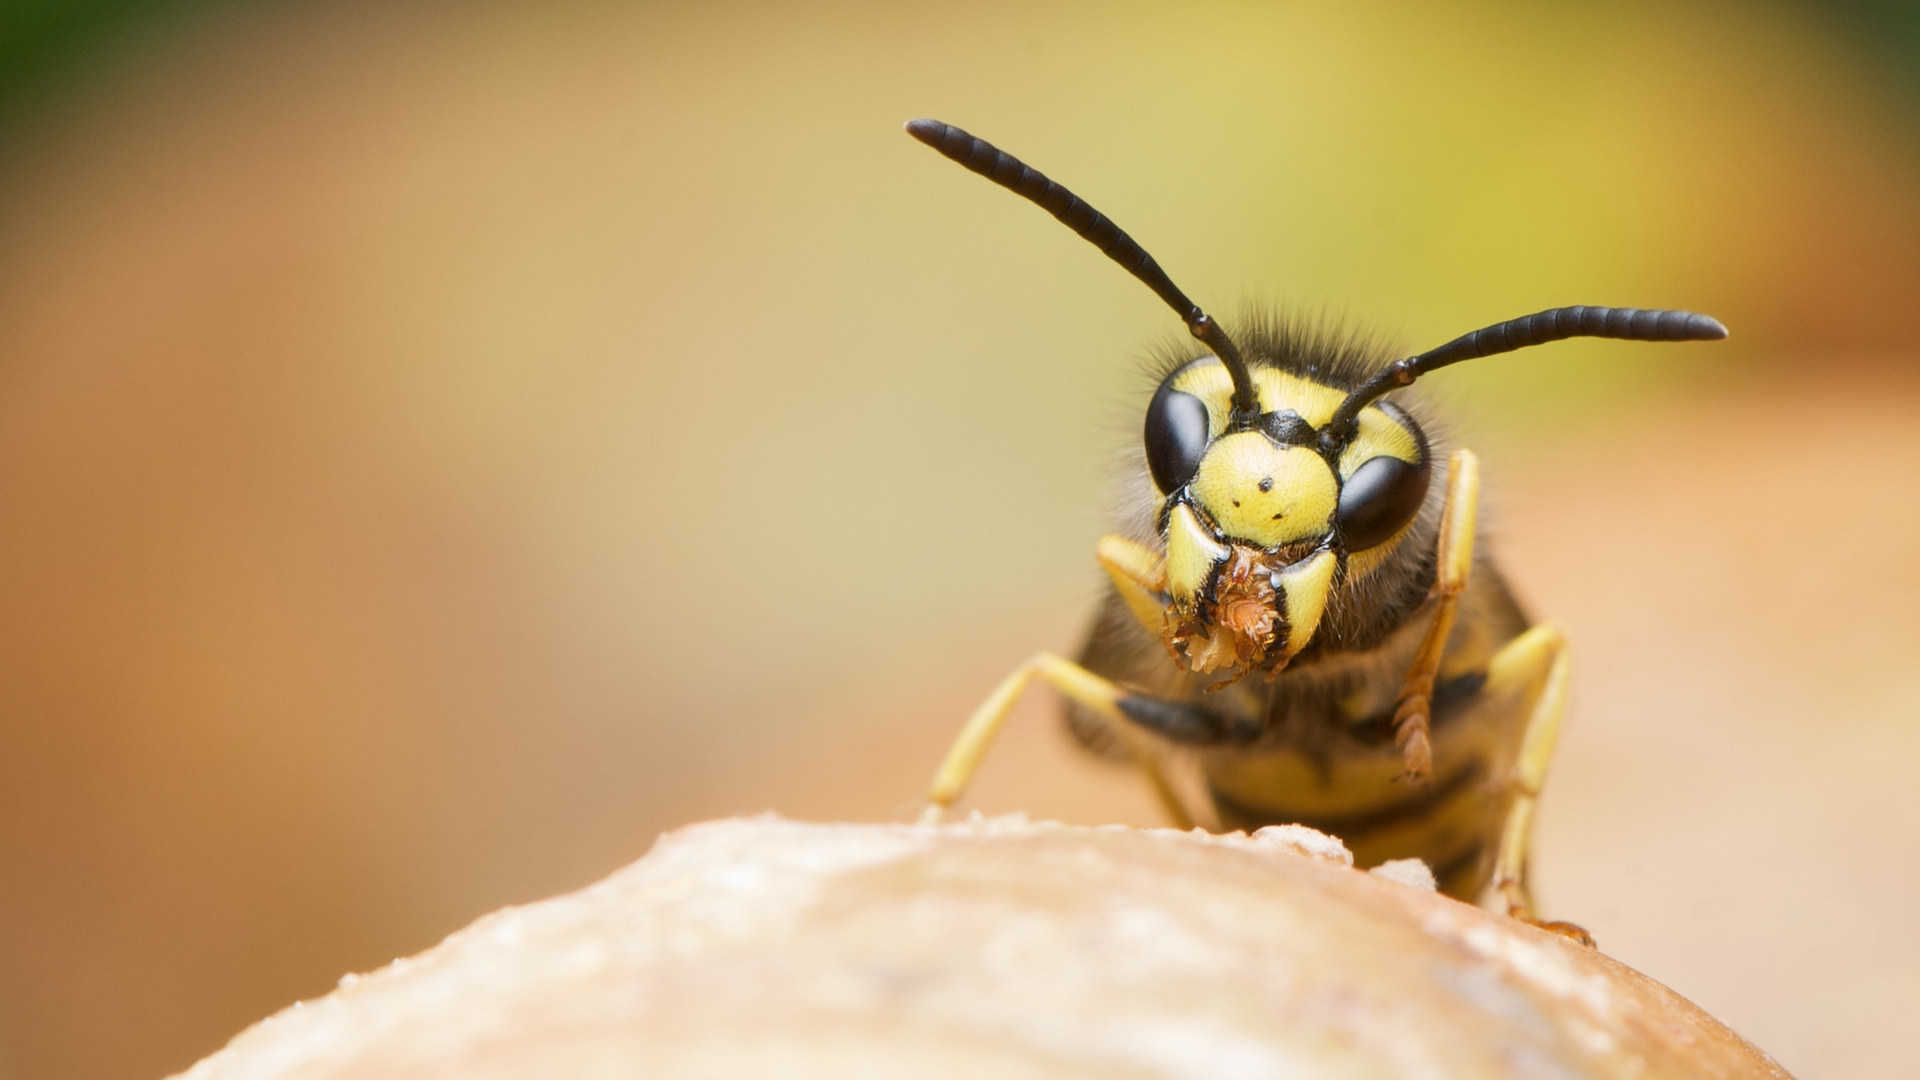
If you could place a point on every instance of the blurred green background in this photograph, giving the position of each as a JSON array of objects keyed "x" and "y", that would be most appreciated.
[{"x": 442, "y": 446}]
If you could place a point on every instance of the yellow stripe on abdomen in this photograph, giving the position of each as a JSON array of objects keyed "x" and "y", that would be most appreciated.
[{"x": 1356, "y": 794}]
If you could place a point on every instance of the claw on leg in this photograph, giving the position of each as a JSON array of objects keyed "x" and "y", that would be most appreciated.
[
  {"x": 1410, "y": 734},
  {"x": 1520, "y": 906},
  {"x": 1572, "y": 931}
]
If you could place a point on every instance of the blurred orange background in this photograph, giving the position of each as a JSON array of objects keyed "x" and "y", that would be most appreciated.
[{"x": 442, "y": 447}]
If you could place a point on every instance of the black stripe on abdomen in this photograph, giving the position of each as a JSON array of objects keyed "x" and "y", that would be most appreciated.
[{"x": 1460, "y": 874}]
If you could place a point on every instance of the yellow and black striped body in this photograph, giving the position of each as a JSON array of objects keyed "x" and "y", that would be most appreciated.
[
  {"x": 1326, "y": 757},
  {"x": 1296, "y": 602},
  {"x": 1315, "y": 744},
  {"x": 1332, "y": 762}
]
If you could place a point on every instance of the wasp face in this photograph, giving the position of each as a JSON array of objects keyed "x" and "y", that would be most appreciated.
[{"x": 1262, "y": 512}]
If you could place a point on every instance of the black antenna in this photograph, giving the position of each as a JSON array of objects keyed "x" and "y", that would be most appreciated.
[
  {"x": 1097, "y": 229},
  {"x": 1554, "y": 324}
]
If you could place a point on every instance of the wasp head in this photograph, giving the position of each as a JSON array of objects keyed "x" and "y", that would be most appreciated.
[{"x": 1263, "y": 506}]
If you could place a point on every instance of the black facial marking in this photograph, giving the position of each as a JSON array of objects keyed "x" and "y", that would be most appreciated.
[
  {"x": 1379, "y": 498},
  {"x": 1176, "y": 436},
  {"x": 1287, "y": 428}
]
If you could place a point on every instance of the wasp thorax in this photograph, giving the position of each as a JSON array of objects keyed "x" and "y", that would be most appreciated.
[{"x": 1265, "y": 494}]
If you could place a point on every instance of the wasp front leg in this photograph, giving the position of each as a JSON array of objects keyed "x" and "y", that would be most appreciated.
[
  {"x": 1139, "y": 576},
  {"x": 1533, "y": 668},
  {"x": 1080, "y": 686},
  {"x": 1413, "y": 709}
]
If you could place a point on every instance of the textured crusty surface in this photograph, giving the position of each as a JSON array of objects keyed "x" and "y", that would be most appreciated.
[{"x": 757, "y": 947}]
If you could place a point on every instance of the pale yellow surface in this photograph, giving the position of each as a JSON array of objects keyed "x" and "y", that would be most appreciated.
[{"x": 995, "y": 948}]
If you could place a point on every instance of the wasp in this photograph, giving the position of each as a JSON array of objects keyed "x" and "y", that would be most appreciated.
[{"x": 1294, "y": 601}]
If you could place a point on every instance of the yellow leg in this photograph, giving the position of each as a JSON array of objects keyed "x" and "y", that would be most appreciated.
[
  {"x": 1140, "y": 577},
  {"x": 1413, "y": 710},
  {"x": 1078, "y": 684},
  {"x": 1535, "y": 665}
]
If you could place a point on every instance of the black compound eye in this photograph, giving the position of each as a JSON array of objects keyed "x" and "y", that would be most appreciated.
[
  {"x": 1176, "y": 436},
  {"x": 1378, "y": 500}
]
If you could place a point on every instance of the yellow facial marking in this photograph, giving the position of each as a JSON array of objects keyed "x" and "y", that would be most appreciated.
[
  {"x": 1279, "y": 391},
  {"x": 1191, "y": 556},
  {"x": 1362, "y": 563},
  {"x": 1276, "y": 389},
  {"x": 1305, "y": 585},
  {"x": 1264, "y": 494},
  {"x": 1380, "y": 435}
]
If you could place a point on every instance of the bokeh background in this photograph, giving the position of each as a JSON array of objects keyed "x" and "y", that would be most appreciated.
[{"x": 442, "y": 447}]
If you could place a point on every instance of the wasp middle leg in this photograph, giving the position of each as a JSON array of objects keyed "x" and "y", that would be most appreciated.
[
  {"x": 1413, "y": 709},
  {"x": 1536, "y": 664}
]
